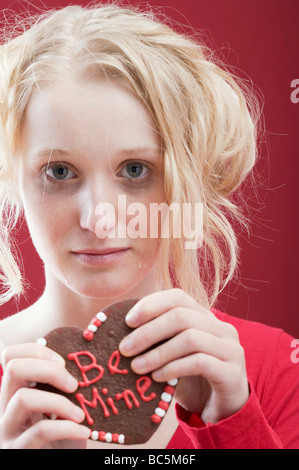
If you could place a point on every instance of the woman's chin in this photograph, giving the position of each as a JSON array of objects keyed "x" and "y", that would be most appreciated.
[{"x": 99, "y": 291}]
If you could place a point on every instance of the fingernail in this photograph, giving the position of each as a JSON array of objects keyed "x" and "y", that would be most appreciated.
[
  {"x": 85, "y": 432},
  {"x": 139, "y": 364},
  {"x": 126, "y": 345},
  {"x": 72, "y": 382},
  {"x": 157, "y": 374},
  {"x": 57, "y": 358},
  {"x": 132, "y": 316},
  {"x": 79, "y": 414}
]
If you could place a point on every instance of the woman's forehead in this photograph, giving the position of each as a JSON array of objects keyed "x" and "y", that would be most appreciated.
[{"x": 63, "y": 114}]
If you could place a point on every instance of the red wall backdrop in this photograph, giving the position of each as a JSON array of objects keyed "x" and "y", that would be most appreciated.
[{"x": 260, "y": 39}]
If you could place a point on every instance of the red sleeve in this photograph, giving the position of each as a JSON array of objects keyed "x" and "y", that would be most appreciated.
[
  {"x": 270, "y": 418},
  {"x": 247, "y": 429}
]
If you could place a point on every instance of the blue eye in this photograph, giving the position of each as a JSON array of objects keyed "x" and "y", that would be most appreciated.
[
  {"x": 59, "y": 173},
  {"x": 134, "y": 170}
]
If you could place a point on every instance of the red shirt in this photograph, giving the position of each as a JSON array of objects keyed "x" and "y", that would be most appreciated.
[{"x": 270, "y": 418}]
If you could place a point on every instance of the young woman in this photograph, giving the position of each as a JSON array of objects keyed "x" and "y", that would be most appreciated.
[{"x": 104, "y": 103}]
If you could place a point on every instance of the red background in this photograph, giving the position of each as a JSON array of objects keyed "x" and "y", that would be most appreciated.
[{"x": 260, "y": 38}]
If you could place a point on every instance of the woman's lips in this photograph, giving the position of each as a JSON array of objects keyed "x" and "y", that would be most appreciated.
[{"x": 96, "y": 257}]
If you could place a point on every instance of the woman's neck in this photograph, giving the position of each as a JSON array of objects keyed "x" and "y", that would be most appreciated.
[{"x": 59, "y": 305}]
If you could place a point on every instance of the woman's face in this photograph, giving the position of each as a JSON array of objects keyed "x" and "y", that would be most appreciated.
[{"x": 85, "y": 144}]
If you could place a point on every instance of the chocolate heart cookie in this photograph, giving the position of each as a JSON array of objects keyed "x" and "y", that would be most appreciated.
[{"x": 119, "y": 405}]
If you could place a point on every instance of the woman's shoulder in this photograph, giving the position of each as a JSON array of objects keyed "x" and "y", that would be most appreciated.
[
  {"x": 263, "y": 345},
  {"x": 10, "y": 329},
  {"x": 251, "y": 330},
  {"x": 15, "y": 328}
]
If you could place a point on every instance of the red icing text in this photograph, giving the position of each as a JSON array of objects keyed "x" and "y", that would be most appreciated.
[
  {"x": 95, "y": 399},
  {"x": 129, "y": 398},
  {"x": 107, "y": 403},
  {"x": 84, "y": 369},
  {"x": 113, "y": 366},
  {"x": 141, "y": 389}
]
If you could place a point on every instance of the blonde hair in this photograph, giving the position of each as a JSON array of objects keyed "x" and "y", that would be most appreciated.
[{"x": 206, "y": 119}]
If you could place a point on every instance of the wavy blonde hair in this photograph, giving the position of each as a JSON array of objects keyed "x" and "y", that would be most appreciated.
[{"x": 206, "y": 119}]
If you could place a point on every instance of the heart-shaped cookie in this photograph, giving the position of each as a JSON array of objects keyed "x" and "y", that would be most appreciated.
[{"x": 120, "y": 406}]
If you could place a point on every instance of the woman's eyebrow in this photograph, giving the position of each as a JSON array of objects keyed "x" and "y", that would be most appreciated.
[
  {"x": 42, "y": 153},
  {"x": 138, "y": 150},
  {"x": 46, "y": 152}
]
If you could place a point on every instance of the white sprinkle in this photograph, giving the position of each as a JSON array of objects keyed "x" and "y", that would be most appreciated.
[
  {"x": 172, "y": 382},
  {"x": 160, "y": 412},
  {"x": 53, "y": 416},
  {"x": 166, "y": 397},
  {"x": 108, "y": 437},
  {"x": 121, "y": 439},
  {"x": 94, "y": 435},
  {"x": 101, "y": 316},
  {"x": 92, "y": 328},
  {"x": 42, "y": 341},
  {"x": 32, "y": 384}
]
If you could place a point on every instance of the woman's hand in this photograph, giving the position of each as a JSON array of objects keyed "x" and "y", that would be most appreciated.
[
  {"x": 22, "y": 407},
  {"x": 201, "y": 350}
]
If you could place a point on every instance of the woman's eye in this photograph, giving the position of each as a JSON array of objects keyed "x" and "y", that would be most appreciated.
[
  {"x": 134, "y": 170},
  {"x": 59, "y": 173}
]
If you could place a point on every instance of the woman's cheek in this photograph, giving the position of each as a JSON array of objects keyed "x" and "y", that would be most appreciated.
[{"x": 48, "y": 222}]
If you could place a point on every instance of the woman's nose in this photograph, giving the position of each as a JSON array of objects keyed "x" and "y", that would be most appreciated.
[
  {"x": 98, "y": 209},
  {"x": 103, "y": 211}
]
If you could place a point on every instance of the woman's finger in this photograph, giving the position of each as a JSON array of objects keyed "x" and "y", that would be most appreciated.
[
  {"x": 29, "y": 350},
  {"x": 188, "y": 342},
  {"x": 47, "y": 431},
  {"x": 27, "y": 402},
  {"x": 154, "y": 305},
  {"x": 199, "y": 364},
  {"x": 229, "y": 385},
  {"x": 23, "y": 372},
  {"x": 168, "y": 325}
]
